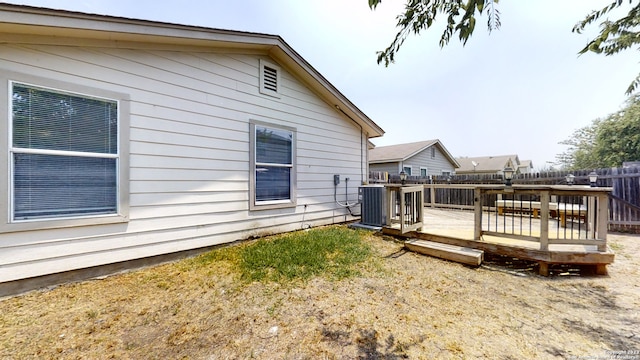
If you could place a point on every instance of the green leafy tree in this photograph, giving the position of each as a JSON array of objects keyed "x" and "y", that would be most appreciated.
[
  {"x": 614, "y": 36},
  {"x": 421, "y": 14},
  {"x": 606, "y": 142},
  {"x": 461, "y": 15}
]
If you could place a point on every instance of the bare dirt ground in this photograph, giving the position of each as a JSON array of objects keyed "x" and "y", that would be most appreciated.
[{"x": 406, "y": 306}]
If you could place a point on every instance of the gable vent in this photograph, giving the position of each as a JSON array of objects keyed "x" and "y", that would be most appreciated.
[{"x": 270, "y": 79}]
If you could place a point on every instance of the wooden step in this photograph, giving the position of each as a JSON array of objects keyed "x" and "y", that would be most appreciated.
[{"x": 459, "y": 254}]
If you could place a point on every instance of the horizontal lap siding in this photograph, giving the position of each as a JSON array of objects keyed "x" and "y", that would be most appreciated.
[
  {"x": 435, "y": 166},
  {"x": 189, "y": 155}
]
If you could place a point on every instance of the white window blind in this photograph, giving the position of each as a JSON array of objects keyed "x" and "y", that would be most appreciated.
[
  {"x": 273, "y": 164},
  {"x": 64, "y": 154}
]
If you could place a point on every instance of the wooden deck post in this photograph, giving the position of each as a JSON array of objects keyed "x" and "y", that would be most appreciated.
[
  {"x": 477, "y": 202},
  {"x": 544, "y": 220},
  {"x": 603, "y": 220}
]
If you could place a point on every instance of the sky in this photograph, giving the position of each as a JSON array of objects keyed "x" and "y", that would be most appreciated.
[{"x": 520, "y": 90}]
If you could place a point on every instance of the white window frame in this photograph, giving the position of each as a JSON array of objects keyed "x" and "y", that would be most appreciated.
[
  {"x": 426, "y": 171},
  {"x": 7, "y": 222},
  {"x": 263, "y": 81},
  {"x": 407, "y": 167},
  {"x": 254, "y": 204}
]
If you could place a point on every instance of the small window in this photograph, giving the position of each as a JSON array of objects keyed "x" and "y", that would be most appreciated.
[
  {"x": 269, "y": 79},
  {"x": 407, "y": 170},
  {"x": 273, "y": 166},
  {"x": 64, "y": 154},
  {"x": 423, "y": 172},
  {"x": 433, "y": 152}
]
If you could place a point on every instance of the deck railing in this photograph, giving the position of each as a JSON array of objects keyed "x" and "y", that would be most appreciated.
[
  {"x": 549, "y": 215},
  {"x": 405, "y": 207}
]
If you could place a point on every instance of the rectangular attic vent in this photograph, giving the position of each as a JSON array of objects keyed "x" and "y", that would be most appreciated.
[{"x": 269, "y": 79}]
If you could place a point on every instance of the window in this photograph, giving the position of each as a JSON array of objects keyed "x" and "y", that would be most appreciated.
[
  {"x": 64, "y": 156},
  {"x": 423, "y": 172},
  {"x": 433, "y": 152},
  {"x": 269, "y": 79},
  {"x": 272, "y": 166},
  {"x": 446, "y": 173},
  {"x": 407, "y": 170}
]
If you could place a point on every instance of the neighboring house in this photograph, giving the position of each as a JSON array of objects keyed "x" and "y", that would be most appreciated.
[
  {"x": 424, "y": 158},
  {"x": 525, "y": 167},
  {"x": 130, "y": 139},
  {"x": 489, "y": 165}
]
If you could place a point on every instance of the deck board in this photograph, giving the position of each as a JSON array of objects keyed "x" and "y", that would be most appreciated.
[{"x": 456, "y": 228}]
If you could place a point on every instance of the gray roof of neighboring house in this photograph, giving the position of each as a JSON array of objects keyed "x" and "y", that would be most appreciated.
[
  {"x": 484, "y": 164},
  {"x": 67, "y": 26},
  {"x": 402, "y": 152}
]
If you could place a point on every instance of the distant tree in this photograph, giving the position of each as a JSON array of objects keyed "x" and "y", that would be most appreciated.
[
  {"x": 420, "y": 15},
  {"x": 606, "y": 142}
]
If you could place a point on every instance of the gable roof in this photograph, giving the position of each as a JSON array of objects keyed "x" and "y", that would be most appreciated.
[
  {"x": 402, "y": 152},
  {"x": 28, "y": 24},
  {"x": 485, "y": 164}
]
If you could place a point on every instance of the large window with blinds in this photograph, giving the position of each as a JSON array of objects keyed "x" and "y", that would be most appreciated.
[
  {"x": 272, "y": 166},
  {"x": 63, "y": 153}
]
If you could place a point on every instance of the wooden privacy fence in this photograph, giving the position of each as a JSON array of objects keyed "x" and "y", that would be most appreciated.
[{"x": 457, "y": 191}]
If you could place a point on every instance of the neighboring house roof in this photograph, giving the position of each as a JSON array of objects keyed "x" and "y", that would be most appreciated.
[
  {"x": 526, "y": 164},
  {"x": 486, "y": 164},
  {"x": 402, "y": 152},
  {"x": 68, "y": 26}
]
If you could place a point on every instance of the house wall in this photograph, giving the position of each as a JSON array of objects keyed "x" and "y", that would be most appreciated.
[
  {"x": 391, "y": 168},
  {"x": 189, "y": 154},
  {"x": 435, "y": 166}
]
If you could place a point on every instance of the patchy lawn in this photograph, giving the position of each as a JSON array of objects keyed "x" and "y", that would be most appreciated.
[{"x": 379, "y": 302}]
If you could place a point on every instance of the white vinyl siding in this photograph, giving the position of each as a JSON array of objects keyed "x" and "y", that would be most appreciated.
[{"x": 189, "y": 153}]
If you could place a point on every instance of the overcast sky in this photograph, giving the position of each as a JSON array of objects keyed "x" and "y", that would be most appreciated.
[{"x": 519, "y": 90}]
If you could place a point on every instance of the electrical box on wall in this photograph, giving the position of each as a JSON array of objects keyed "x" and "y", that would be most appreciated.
[{"x": 336, "y": 179}]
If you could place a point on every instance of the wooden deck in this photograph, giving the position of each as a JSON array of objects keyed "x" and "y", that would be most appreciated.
[{"x": 455, "y": 227}]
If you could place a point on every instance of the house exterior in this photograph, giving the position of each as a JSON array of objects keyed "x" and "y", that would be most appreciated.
[
  {"x": 424, "y": 158},
  {"x": 492, "y": 165},
  {"x": 131, "y": 139}
]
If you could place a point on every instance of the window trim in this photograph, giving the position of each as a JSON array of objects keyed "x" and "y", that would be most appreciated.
[
  {"x": 426, "y": 170},
  {"x": 7, "y": 224},
  {"x": 263, "y": 88},
  {"x": 271, "y": 204},
  {"x": 407, "y": 167}
]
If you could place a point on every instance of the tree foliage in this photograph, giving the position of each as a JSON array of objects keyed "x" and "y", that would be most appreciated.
[
  {"x": 421, "y": 14},
  {"x": 606, "y": 142},
  {"x": 614, "y": 36}
]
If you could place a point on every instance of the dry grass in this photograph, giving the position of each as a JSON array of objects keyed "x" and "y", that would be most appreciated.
[{"x": 407, "y": 306}]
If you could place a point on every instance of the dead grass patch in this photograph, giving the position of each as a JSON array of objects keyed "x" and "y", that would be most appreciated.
[{"x": 396, "y": 305}]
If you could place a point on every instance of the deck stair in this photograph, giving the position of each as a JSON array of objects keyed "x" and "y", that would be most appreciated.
[{"x": 459, "y": 254}]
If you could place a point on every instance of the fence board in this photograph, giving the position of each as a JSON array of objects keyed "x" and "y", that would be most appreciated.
[{"x": 624, "y": 204}]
